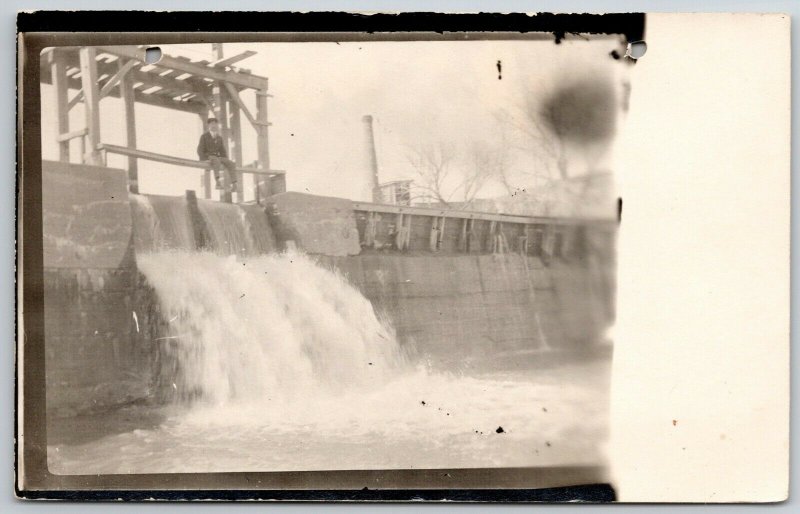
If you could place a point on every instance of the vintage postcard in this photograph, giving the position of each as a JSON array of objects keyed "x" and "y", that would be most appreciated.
[{"x": 357, "y": 265}]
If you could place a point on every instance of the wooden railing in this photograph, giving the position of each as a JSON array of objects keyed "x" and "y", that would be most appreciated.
[
  {"x": 417, "y": 228},
  {"x": 178, "y": 161},
  {"x": 274, "y": 180},
  {"x": 478, "y": 215}
]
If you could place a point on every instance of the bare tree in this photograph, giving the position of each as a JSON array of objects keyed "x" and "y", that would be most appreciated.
[
  {"x": 449, "y": 173},
  {"x": 537, "y": 141},
  {"x": 544, "y": 122},
  {"x": 485, "y": 162},
  {"x": 433, "y": 163}
]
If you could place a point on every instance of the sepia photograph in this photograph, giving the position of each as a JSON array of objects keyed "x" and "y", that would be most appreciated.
[
  {"x": 321, "y": 261},
  {"x": 251, "y": 266}
]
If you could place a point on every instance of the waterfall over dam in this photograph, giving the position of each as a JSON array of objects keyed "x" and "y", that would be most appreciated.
[
  {"x": 207, "y": 308},
  {"x": 463, "y": 309},
  {"x": 164, "y": 223},
  {"x": 274, "y": 326}
]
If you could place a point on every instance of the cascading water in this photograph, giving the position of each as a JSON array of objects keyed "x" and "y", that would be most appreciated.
[
  {"x": 228, "y": 228},
  {"x": 275, "y": 326},
  {"x": 161, "y": 223},
  {"x": 279, "y": 364}
]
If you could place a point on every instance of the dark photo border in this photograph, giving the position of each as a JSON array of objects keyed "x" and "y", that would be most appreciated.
[{"x": 38, "y": 30}]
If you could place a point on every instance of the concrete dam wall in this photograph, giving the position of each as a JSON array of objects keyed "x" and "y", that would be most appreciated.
[
  {"x": 455, "y": 289},
  {"x": 96, "y": 352},
  {"x": 467, "y": 308}
]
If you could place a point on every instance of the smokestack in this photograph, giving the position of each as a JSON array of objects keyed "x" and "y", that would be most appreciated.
[{"x": 373, "y": 160}]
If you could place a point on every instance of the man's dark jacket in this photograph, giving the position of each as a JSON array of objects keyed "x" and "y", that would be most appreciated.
[{"x": 210, "y": 145}]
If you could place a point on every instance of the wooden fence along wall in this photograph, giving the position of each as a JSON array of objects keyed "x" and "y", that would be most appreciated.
[{"x": 404, "y": 228}]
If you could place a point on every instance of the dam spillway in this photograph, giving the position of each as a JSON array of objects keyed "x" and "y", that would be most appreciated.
[{"x": 105, "y": 328}]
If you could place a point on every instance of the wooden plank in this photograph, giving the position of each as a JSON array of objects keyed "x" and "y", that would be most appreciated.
[
  {"x": 74, "y": 100},
  {"x": 62, "y": 138},
  {"x": 198, "y": 69},
  {"x": 262, "y": 186},
  {"x": 205, "y": 180},
  {"x": 454, "y": 213},
  {"x": 235, "y": 123},
  {"x": 117, "y": 77},
  {"x": 207, "y": 184},
  {"x": 169, "y": 84},
  {"x": 178, "y": 161},
  {"x": 221, "y": 113},
  {"x": 227, "y": 61},
  {"x": 91, "y": 95},
  {"x": 194, "y": 106},
  {"x": 202, "y": 240},
  {"x": 234, "y": 95},
  {"x": 169, "y": 103},
  {"x": 151, "y": 78},
  {"x": 129, "y": 100},
  {"x": 58, "y": 74}
]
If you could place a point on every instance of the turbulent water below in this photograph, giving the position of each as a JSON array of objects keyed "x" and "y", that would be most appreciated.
[
  {"x": 280, "y": 365},
  {"x": 553, "y": 416}
]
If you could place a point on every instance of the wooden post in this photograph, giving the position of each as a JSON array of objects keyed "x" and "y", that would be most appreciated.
[
  {"x": 221, "y": 113},
  {"x": 202, "y": 241},
  {"x": 58, "y": 73},
  {"x": 126, "y": 92},
  {"x": 262, "y": 185},
  {"x": 277, "y": 183},
  {"x": 205, "y": 181},
  {"x": 236, "y": 146},
  {"x": 91, "y": 103}
]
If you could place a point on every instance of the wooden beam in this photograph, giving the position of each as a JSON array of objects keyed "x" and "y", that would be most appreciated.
[
  {"x": 179, "y": 86},
  {"x": 149, "y": 78},
  {"x": 92, "y": 103},
  {"x": 117, "y": 77},
  {"x": 221, "y": 113},
  {"x": 178, "y": 161},
  {"x": 262, "y": 186},
  {"x": 227, "y": 61},
  {"x": 202, "y": 239},
  {"x": 241, "y": 79},
  {"x": 58, "y": 74},
  {"x": 235, "y": 97},
  {"x": 160, "y": 101},
  {"x": 62, "y": 138},
  {"x": 205, "y": 181},
  {"x": 129, "y": 100},
  {"x": 503, "y": 218},
  {"x": 193, "y": 86},
  {"x": 194, "y": 106},
  {"x": 235, "y": 124},
  {"x": 74, "y": 100}
]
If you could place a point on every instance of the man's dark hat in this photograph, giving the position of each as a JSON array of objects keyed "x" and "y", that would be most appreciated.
[{"x": 212, "y": 120}]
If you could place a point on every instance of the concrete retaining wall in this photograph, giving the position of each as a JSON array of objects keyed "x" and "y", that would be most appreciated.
[
  {"x": 316, "y": 224},
  {"x": 459, "y": 307},
  {"x": 95, "y": 357}
]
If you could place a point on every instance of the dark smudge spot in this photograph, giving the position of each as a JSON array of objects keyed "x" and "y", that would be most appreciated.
[{"x": 582, "y": 113}]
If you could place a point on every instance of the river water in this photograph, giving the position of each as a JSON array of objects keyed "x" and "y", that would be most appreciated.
[{"x": 280, "y": 365}]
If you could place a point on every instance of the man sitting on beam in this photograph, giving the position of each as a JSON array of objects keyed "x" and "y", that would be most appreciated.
[{"x": 212, "y": 149}]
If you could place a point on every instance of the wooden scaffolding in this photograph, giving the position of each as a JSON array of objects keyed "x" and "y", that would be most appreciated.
[{"x": 201, "y": 87}]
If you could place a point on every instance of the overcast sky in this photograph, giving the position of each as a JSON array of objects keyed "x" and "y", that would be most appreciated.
[{"x": 417, "y": 92}]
